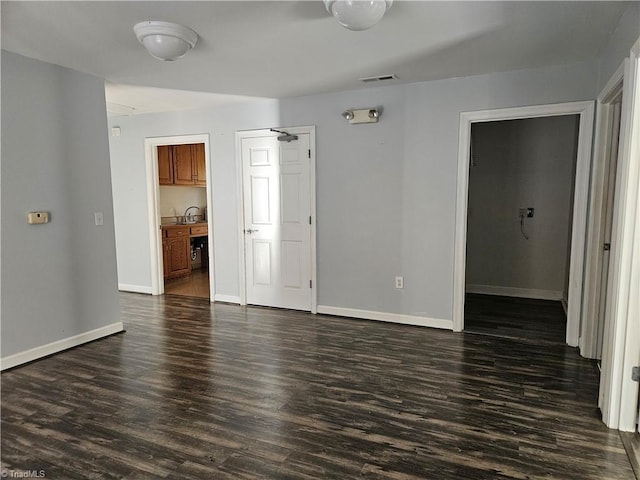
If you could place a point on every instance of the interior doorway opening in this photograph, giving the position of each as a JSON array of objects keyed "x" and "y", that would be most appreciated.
[
  {"x": 183, "y": 219},
  {"x": 585, "y": 113},
  {"x": 181, "y": 226},
  {"x": 519, "y": 216}
]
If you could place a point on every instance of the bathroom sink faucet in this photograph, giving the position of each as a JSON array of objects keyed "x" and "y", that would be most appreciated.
[{"x": 191, "y": 218}]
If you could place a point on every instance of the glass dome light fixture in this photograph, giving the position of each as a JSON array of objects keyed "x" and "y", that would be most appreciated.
[
  {"x": 358, "y": 14},
  {"x": 165, "y": 40}
]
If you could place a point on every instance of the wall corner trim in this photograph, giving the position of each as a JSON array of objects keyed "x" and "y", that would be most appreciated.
[
  {"x": 386, "y": 317},
  {"x": 59, "y": 346},
  {"x": 126, "y": 287}
]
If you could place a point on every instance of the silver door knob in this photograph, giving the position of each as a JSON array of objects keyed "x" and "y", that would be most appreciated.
[{"x": 249, "y": 231}]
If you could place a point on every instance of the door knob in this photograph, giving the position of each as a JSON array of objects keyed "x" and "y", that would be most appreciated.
[{"x": 249, "y": 231}]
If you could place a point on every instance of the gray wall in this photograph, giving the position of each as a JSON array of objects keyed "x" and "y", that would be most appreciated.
[
  {"x": 619, "y": 44},
  {"x": 413, "y": 182},
  {"x": 130, "y": 189},
  {"x": 58, "y": 279},
  {"x": 386, "y": 192},
  {"x": 521, "y": 163}
]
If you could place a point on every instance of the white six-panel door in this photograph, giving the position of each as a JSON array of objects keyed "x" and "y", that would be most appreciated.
[{"x": 277, "y": 230}]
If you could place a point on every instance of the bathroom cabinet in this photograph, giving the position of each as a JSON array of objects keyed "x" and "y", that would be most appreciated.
[
  {"x": 182, "y": 165},
  {"x": 176, "y": 248}
]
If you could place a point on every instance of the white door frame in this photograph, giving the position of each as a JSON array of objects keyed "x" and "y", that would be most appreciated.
[
  {"x": 311, "y": 131},
  {"x": 621, "y": 349},
  {"x": 595, "y": 228},
  {"x": 153, "y": 200},
  {"x": 585, "y": 110}
]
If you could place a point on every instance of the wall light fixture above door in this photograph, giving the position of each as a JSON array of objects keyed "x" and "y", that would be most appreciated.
[{"x": 363, "y": 115}]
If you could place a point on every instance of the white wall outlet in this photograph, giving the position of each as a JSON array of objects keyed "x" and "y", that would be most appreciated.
[
  {"x": 99, "y": 218},
  {"x": 399, "y": 282}
]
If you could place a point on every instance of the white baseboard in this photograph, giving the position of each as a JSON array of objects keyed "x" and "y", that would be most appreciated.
[
  {"x": 387, "y": 317},
  {"x": 515, "y": 292},
  {"x": 59, "y": 345},
  {"x": 125, "y": 287},
  {"x": 226, "y": 298}
]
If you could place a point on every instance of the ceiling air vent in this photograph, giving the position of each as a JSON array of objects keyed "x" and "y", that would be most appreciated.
[{"x": 380, "y": 78}]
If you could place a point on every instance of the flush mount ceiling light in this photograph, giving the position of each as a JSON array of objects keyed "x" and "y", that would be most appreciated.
[
  {"x": 165, "y": 40},
  {"x": 358, "y": 14}
]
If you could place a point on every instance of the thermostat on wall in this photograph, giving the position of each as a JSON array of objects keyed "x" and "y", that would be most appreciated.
[{"x": 34, "y": 218}]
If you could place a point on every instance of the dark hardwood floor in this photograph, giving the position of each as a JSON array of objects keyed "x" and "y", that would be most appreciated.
[
  {"x": 631, "y": 442},
  {"x": 194, "y": 285},
  {"x": 539, "y": 321},
  {"x": 200, "y": 391}
]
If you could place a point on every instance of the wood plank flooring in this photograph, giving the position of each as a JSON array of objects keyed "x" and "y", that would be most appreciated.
[
  {"x": 539, "y": 321},
  {"x": 631, "y": 442},
  {"x": 200, "y": 391},
  {"x": 194, "y": 285}
]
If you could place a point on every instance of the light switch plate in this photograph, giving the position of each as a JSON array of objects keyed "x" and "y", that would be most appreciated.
[
  {"x": 35, "y": 218},
  {"x": 99, "y": 218}
]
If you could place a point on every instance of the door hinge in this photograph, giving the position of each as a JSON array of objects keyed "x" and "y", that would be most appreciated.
[
  {"x": 309, "y": 219},
  {"x": 635, "y": 374},
  {"x": 310, "y": 283},
  {"x": 309, "y": 153},
  {"x": 606, "y": 247}
]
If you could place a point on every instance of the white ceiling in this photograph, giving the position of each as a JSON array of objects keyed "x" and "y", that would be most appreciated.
[
  {"x": 136, "y": 100},
  {"x": 293, "y": 48}
]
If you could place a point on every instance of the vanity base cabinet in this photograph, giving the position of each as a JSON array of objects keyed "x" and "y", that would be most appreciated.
[{"x": 176, "y": 249}]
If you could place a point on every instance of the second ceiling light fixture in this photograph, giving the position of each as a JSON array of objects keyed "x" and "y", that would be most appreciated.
[
  {"x": 169, "y": 41},
  {"x": 358, "y": 14}
]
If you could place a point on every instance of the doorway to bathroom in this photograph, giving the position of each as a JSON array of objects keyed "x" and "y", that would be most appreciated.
[{"x": 180, "y": 225}]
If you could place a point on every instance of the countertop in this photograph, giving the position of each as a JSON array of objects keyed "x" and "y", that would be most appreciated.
[{"x": 176, "y": 224}]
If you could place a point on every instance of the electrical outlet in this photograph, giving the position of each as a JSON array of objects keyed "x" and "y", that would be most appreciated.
[
  {"x": 530, "y": 212},
  {"x": 399, "y": 282},
  {"x": 99, "y": 218}
]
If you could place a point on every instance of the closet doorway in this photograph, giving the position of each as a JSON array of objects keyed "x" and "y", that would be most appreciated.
[
  {"x": 521, "y": 183},
  {"x": 585, "y": 113}
]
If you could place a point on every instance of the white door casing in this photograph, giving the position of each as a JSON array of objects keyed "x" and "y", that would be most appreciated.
[
  {"x": 609, "y": 201},
  {"x": 590, "y": 343},
  {"x": 618, "y": 398},
  {"x": 277, "y": 220},
  {"x": 585, "y": 110},
  {"x": 153, "y": 210}
]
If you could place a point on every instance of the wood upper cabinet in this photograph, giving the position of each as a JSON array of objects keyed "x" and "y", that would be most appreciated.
[
  {"x": 182, "y": 165},
  {"x": 165, "y": 165},
  {"x": 198, "y": 164}
]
